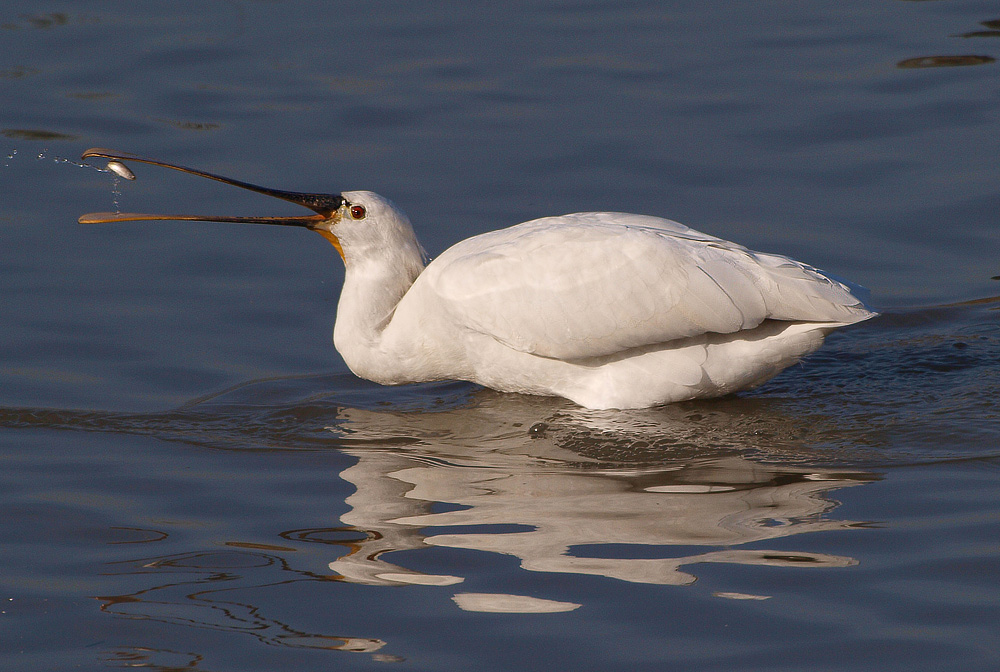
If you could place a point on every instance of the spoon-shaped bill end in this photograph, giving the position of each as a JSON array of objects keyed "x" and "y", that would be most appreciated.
[
  {"x": 103, "y": 153},
  {"x": 103, "y": 217}
]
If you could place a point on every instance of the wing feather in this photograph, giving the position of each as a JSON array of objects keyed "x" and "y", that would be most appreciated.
[{"x": 594, "y": 284}]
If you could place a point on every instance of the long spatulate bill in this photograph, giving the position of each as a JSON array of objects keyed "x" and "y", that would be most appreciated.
[{"x": 324, "y": 205}]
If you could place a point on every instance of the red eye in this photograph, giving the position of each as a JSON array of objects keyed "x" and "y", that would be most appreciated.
[{"x": 358, "y": 211}]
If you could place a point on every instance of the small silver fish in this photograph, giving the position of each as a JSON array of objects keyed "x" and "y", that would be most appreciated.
[{"x": 121, "y": 170}]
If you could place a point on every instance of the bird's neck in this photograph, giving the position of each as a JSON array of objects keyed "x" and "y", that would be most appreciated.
[{"x": 373, "y": 287}]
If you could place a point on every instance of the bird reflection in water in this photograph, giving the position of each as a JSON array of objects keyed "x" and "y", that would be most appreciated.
[
  {"x": 639, "y": 496},
  {"x": 526, "y": 494}
]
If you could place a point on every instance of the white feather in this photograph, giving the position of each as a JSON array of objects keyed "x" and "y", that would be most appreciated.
[
  {"x": 609, "y": 310},
  {"x": 593, "y": 284}
]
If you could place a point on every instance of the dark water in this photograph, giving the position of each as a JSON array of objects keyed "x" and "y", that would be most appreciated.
[{"x": 191, "y": 479}]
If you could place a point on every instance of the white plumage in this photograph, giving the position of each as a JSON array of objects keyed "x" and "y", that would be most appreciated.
[
  {"x": 610, "y": 310},
  {"x": 595, "y": 284}
]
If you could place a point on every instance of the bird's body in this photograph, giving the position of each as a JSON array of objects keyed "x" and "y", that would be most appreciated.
[{"x": 609, "y": 310}]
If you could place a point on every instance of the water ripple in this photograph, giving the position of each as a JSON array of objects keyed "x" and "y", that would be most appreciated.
[{"x": 911, "y": 386}]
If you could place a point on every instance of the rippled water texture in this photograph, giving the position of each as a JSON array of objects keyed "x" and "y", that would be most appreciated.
[{"x": 190, "y": 478}]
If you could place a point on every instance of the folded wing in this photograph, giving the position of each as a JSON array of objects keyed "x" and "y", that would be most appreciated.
[{"x": 595, "y": 284}]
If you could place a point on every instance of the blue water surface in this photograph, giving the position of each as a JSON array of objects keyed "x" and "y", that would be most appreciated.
[{"x": 190, "y": 477}]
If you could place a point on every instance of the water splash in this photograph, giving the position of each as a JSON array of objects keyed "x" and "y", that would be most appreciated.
[
  {"x": 43, "y": 155},
  {"x": 62, "y": 159},
  {"x": 116, "y": 191}
]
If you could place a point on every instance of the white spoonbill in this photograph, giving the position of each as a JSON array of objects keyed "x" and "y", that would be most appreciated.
[{"x": 609, "y": 310}]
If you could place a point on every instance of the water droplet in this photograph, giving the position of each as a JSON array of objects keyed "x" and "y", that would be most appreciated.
[{"x": 116, "y": 193}]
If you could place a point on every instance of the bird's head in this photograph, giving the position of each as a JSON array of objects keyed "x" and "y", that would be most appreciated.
[
  {"x": 360, "y": 224},
  {"x": 369, "y": 226}
]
